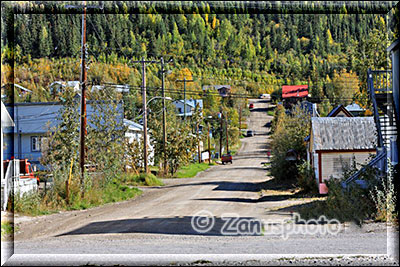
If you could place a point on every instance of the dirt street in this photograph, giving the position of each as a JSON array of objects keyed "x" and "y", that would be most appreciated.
[{"x": 160, "y": 220}]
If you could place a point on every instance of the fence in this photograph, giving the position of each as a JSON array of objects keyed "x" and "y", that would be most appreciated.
[{"x": 13, "y": 182}]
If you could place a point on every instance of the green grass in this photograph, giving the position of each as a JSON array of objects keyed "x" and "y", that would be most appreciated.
[
  {"x": 141, "y": 180},
  {"x": 7, "y": 228},
  {"x": 271, "y": 113},
  {"x": 110, "y": 194},
  {"x": 38, "y": 204},
  {"x": 191, "y": 170}
]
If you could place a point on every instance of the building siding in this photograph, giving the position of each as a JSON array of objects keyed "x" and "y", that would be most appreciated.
[{"x": 331, "y": 163}]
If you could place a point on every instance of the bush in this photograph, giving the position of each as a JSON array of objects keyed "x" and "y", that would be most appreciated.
[
  {"x": 306, "y": 178},
  {"x": 352, "y": 203},
  {"x": 289, "y": 132}
]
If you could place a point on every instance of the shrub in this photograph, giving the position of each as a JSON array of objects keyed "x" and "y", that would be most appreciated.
[
  {"x": 384, "y": 197},
  {"x": 306, "y": 178},
  {"x": 352, "y": 203},
  {"x": 289, "y": 133}
]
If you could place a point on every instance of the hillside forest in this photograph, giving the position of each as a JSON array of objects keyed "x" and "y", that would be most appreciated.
[{"x": 254, "y": 53}]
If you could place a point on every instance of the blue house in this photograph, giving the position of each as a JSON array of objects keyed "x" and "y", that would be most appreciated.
[{"x": 32, "y": 122}]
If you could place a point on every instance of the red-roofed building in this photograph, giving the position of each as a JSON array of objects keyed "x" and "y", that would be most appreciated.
[
  {"x": 294, "y": 91},
  {"x": 291, "y": 94}
]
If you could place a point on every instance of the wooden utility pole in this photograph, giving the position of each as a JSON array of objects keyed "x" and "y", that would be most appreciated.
[
  {"x": 220, "y": 135},
  {"x": 144, "y": 115},
  {"x": 164, "y": 119},
  {"x": 227, "y": 134},
  {"x": 145, "y": 159},
  {"x": 165, "y": 169},
  {"x": 184, "y": 95},
  {"x": 198, "y": 142},
  {"x": 240, "y": 120},
  {"x": 209, "y": 143},
  {"x": 83, "y": 80}
]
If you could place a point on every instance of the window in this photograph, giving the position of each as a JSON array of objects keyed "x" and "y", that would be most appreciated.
[
  {"x": 342, "y": 163},
  {"x": 35, "y": 144}
]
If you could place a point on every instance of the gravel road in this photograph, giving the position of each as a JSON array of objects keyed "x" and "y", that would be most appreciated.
[{"x": 156, "y": 228}]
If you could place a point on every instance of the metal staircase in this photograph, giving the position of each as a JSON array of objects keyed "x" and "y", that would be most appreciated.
[{"x": 380, "y": 90}]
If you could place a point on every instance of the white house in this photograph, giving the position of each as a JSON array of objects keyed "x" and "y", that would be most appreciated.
[
  {"x": 6, "y": 121},
  {"x": 190, "y": 106}
]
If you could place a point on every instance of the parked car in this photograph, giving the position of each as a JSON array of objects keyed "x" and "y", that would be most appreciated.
[
  {"x": 265, "y": 96},
  {"x": 250, "y": 133},
  {"x": 226, "y": 158},
  {"x": 251, "y": 106}
]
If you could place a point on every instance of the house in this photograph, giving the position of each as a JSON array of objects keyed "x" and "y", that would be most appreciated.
[
  {"x": 223, "y": 90},
  {"x": 292, "y": 94},
  {"x": 355, "y": 109},
  {"x": 32, "y": 122},
  {"x": 6, "y": 122},
  {"x": 336, "y": 142},
  {"x": 190, "y": 106},
  {"x": 58, "y": 87},
  {"x": 309, "y": 108},
  {"x": 135, "y": 132},
  {"x": 339, "y": 111}
]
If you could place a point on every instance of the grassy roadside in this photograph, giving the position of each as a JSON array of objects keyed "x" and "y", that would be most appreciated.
[
  {"x": 38, "y": 203},
  {"x": 7, "y": 229},
  {"x": 141, "y": 179},
  {"x": 191, "y": 170}
]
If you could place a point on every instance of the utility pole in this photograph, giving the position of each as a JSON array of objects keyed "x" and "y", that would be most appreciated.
[
  {"x": 220, "y": 135},
  {"x": 227, "y": 134},
  {"x": 164, "y": 118},
  {"x": 83, "y": 80},
  {"x": 143, "y": 62},
  {"x": 240, "y": 120},
  {"x": 209, "y": 143},
  {"x": 164, "y": 114},
  {"x": 145, "y": 114},
  {"x": 198, "y": 144},
  {"x": 184, "y": 95}
]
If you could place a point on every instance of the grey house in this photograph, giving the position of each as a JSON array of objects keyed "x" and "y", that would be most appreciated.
[{"x": 32, "y": 122}]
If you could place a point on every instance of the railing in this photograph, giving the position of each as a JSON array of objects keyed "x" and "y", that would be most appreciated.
[
  {"x": 382, "y": 80},
  {"x": 380, "y": 159}
]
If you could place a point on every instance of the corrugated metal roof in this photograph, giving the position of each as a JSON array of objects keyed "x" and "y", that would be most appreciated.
[
  {"x": 343, "y": 133},
  {"x": 294, "y": 91}
]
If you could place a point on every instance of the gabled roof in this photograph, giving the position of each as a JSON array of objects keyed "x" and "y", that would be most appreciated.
[
  {"x": 334, "y": 112},
  {"x": 294, "y": 91},
  {"x": 343, "y": 133},
  {"x": 133, "y": 125}
]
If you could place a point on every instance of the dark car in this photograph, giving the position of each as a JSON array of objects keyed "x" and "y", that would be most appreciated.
[
  {"x": 250, "y": 133},
  {"x": 226, "y": 158}
]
